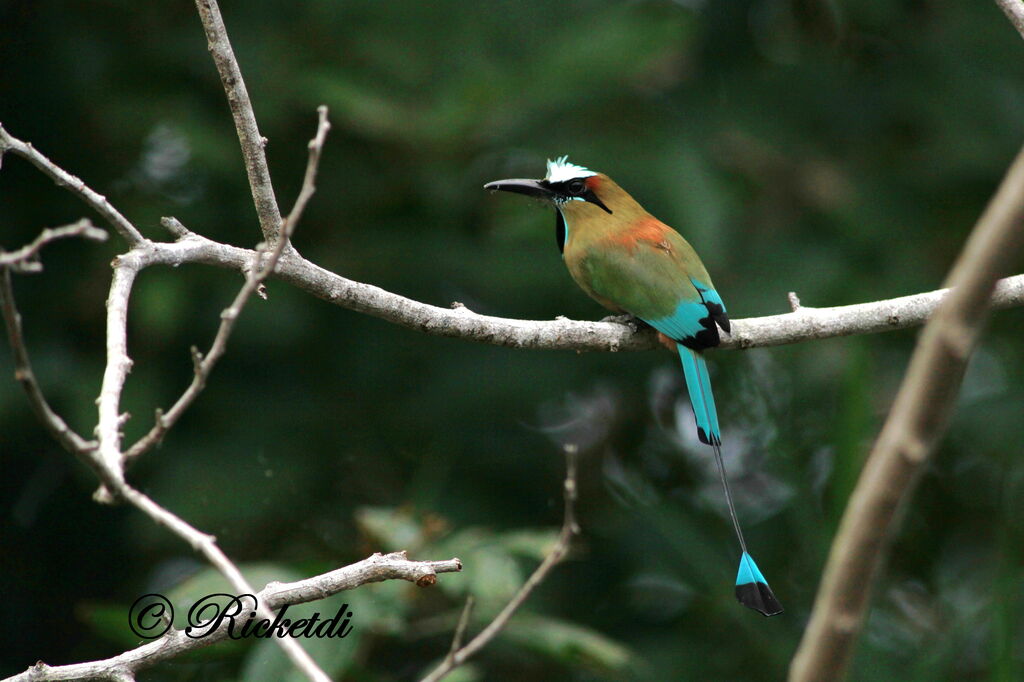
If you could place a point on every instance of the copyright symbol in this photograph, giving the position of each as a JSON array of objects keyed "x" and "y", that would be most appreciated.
[{"x": 150, "y": 616}]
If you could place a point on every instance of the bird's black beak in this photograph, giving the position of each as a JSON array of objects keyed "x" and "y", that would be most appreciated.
[{"x": 531, "y": 188}]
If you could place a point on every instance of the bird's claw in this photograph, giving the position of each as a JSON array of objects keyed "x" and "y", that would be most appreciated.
[{"x": 631, "y": 321}]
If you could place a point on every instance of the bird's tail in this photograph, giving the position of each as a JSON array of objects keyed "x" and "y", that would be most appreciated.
[{"x": 751, "y": 588}]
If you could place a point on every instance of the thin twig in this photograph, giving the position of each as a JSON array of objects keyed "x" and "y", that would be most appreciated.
[
  {"x": 25, "y": 259},
  {"x": 257, "y": 274},
  {"x": 94, "y": 199},
  {"x": 570, "y": 529},
  {"x": 174, "y": 643},
  {"x": 460, "y": 628},
  {"x": 58, "y": 428},
  {"x": 316, "y": 147},
  {"x": 915, "y": 424},
  {"x": 249, "y": 137}
]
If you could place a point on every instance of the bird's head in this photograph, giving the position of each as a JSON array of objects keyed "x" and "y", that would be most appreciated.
[
  {"x": 565, "y": 183},
  {"x": 585, "y": 199}
]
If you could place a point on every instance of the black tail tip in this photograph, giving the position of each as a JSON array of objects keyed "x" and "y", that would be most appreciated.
[
  {"x": 759, "y": 596},
  {"x": 702, "y": 436}
]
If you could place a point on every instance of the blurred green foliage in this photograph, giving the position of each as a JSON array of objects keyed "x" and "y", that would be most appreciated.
[{"x": 840, "y": 150}]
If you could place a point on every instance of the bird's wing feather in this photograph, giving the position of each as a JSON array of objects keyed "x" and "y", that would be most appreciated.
[{"x": 656, "y": 276}]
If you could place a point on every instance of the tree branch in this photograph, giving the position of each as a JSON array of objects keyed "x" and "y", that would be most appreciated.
[
  {"x": 459, "y": 654},
  {"x": 23, "y": 373},
  {"x": 1014, "y": 11},
  {"x": 805, "y": 324},
  {"x": 249, "y": 137},
  {"x": 25, "y": 259},
  {"x": 914, "y": 426},
  {"x": 108, "y": 430},
  {"x": 376, "y": 568},
  {"x": 257, "y": 274},
  {"x": 62, "y": 178}
]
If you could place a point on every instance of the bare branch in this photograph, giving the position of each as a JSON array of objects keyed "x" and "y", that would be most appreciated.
[
  {"x": 1014, "y": 11},
  {"x": 257, "y": 274},
  {"x": 96, "y": 201},
  {"x": 249, "y": 137},
  {"x": 460, "y": 628},
  {"x": 316, "y": 146},
  {"x": 25, "y": 259},
  {"x": 206, "y": 545},
  {"x": 108, "y": 427},
  {"x": 563, "y": 334},
  {"x": 459, "y": 654},
  {"x": 376, "y": 568},
  {"x": 23, "y": 373},
  {"x": 126, "y": 268},
  {"x": 372, "y": 570},
  {"x": 914, "y": 426}
]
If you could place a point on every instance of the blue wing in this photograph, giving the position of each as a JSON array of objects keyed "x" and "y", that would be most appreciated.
[{"x": 695, "y": 321}]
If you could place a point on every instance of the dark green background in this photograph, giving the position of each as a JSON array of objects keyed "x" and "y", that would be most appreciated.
[{"x": 840, "y": 150}]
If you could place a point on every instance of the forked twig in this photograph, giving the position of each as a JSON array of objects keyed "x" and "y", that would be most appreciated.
[
  {"x": 258, "y": 273},
  {"x": 458, "y": 654},
  {"x": 25, "y": 259}
]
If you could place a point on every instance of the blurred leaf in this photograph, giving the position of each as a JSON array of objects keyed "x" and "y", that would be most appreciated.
[
  {"x": 571, "y": 645},
  {"x": 535, "y": 544},
  {"x": 395, "y": 529}
]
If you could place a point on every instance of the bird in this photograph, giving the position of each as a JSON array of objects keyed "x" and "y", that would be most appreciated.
[{"x": 631, "y": 262}]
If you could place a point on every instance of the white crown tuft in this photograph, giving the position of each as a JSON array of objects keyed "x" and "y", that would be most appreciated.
[{"x": 561, "y": 170}]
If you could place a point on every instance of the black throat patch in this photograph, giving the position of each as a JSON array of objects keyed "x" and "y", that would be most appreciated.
[{"x": 560, "y": 232}]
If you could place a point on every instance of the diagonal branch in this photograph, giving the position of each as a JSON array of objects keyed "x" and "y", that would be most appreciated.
[
  {"x": 249, "y": 137},
  {"x": 1014, "y": 11},
  {"x": 914, "y": 426},
  {"x": 73, "y": 184},
  {"x": 58, "y": 428},
  {"x": 570, "y": 529},
  {"x": 375, "y": 568},
  {"x": 257, "y": 274}
]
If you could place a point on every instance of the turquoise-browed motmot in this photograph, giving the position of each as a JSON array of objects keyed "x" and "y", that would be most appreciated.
[{"x": 631, "y": 262}]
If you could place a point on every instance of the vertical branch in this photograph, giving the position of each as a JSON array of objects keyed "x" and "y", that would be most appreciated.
[
  {"x": 245, "y": 119},
  {"x": 108, "y": 427},
  {"x": 914, "y": 426}
]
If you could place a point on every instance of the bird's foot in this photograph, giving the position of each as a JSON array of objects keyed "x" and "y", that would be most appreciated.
[{"x": 631, "y": 321}]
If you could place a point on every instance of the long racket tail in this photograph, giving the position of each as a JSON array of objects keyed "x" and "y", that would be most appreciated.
[{"x": 751, "y": 588}]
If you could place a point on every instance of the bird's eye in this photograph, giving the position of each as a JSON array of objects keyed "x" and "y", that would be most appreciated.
[{"x": 576, "y": 187}]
